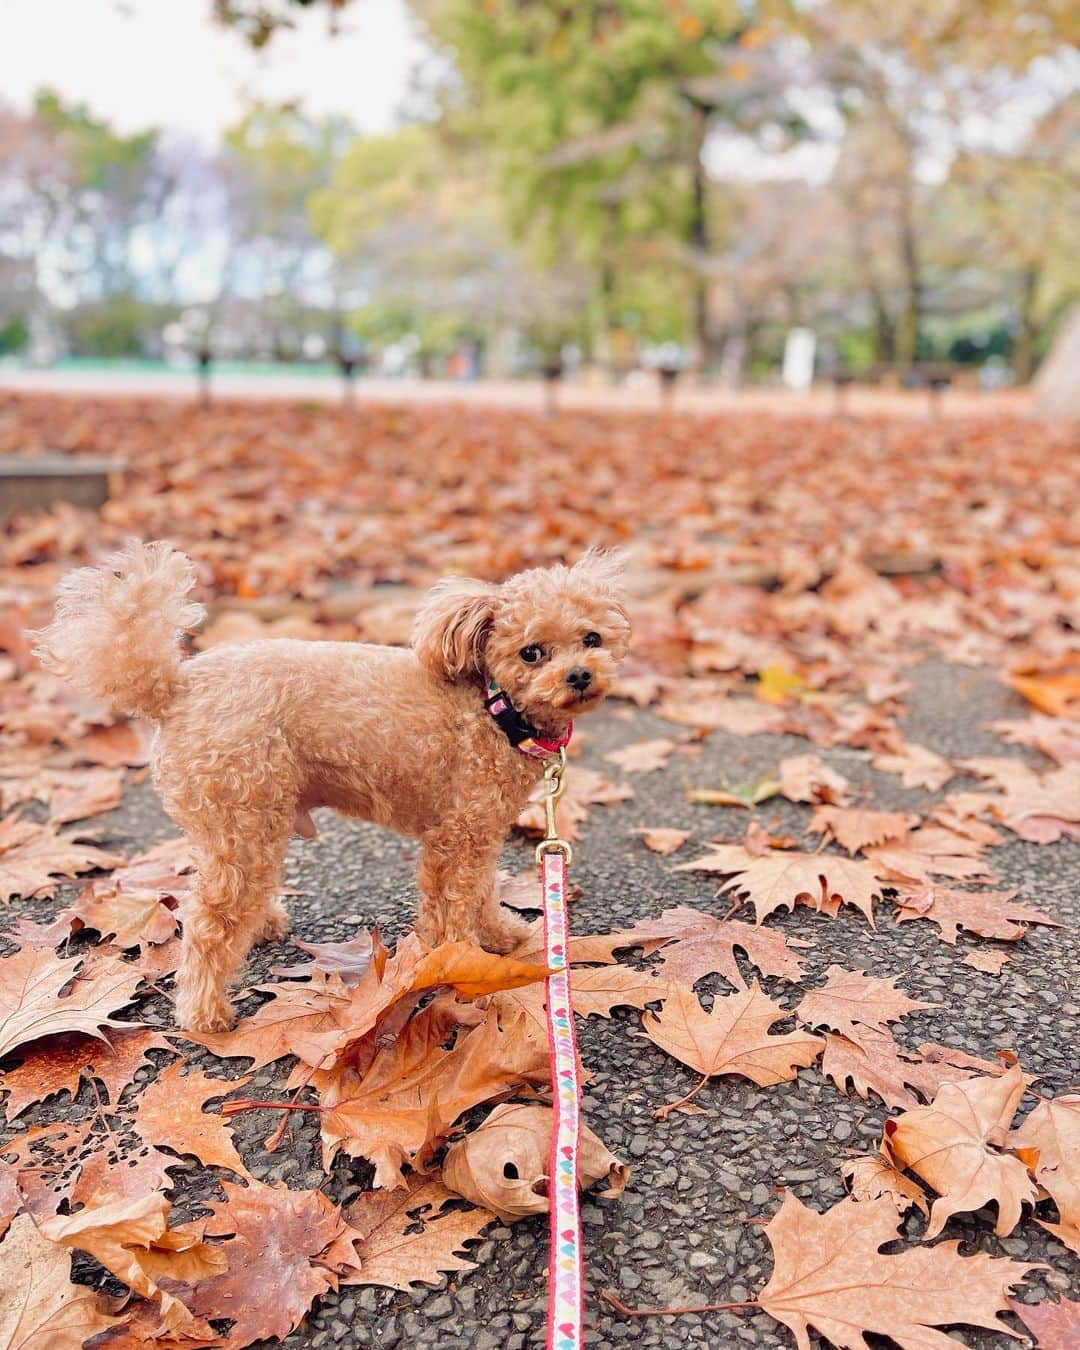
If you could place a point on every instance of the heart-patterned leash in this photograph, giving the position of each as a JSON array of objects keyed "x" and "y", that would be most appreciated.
[{"x": 565, "y": 1277}]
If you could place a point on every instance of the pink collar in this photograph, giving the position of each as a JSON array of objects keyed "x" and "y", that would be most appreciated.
[{"x": 521, "y": 734}]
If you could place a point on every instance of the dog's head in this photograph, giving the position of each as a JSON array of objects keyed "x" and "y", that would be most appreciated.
[{"x": 551, "y": 638}]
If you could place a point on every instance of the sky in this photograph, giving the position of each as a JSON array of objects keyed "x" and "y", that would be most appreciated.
[{"x": 141, "y": 63}]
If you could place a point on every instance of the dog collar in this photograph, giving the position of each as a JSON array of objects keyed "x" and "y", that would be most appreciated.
[{"x": 520, "y": 732}]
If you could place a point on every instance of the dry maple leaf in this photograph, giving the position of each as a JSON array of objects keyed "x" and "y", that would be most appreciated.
[
  {"x": 599, "y": 989},
  {"x": 170, "y": 1113},
  {"x": 414, "y": 1091},
  {"x": 855, "y": 829},
  {"x": 731, "y": 1038},
  {"x": 1040, "y": 809},
  {"x": 1055, "y": 1326},
  {"x": 643, "y": 756},
  {"x": 871, "y": 1177},
  {"x": 1055, "y": 737},
  {"x": 504, "y": 1164},
  {"x": 917, "y": 767},
  {"x": 11, "y": 1201},
  {"x": 584, "y": 788},
  {"x": 988, "y": 914},
  {"x": 662, "y": 839},
  {"x": 1057, "y": 695},
  {"x": 710, "y": 950},
  {"x": 408, "y": 1236},
  {"x": 806, "y": 778},
  {"x": 124, "y": 1168},
  {"x": 57, "y": 1063},
  {"x": 850, "y": 1001},
  {"x": 276, "y": 1264},
  {"x": 927, "y": 853},
  {"x": 955, "y": 1144},
  {"x": 32, "y": 856},
  {"x": 40, "y": 1309},
  {"x": 347, "y": 959},
  {"x": 781, "y": 878},
  {"x": 123, "y": 745},
  {"x": 1053, "y": 1129},
  {"x": 71, "y": 794},
  {"x": 131, "y": 1237},
  {"x": 47, "y": 1160},
  {"x": 736, "y": 716},
  {"x": 989, "y": 962},
  {"x": 878, "y": 1064},
  {"x": 830, "y": 1275},
  {"x": 32, "y": 1005},
  {"x": 131, "y": 918}
]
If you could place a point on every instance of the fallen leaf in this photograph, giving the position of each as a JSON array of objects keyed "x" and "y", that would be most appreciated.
[
  {"x": 855, "y": 829},
  {"x": 988, "y": 914},
  {"x": 782, "y": 878},
  {"x": 732, "y": 1038},
  {"x": 170, "y": 1113},
  {"x": 504, "y": 1164},
  {"x": 955, "y": 1145},
  {"x": 709, "y": 945},
  {"x": 1041, "y": 809},
  {"x": 830, "y": 1275},
  {"x": 415, "y": 1091},
  {"x": 408, "y": 1236},
  {"x": 130, "y": 918},
  {"x": 662, "y": 839},
  {"x": 643, "y": 756},
  {"x": 597, "y": 990},
  {"x": 876, "y": 1063},
  {"x": 40, "y": 1309},
  {"x": 736, "y": 716},
  {"x": 33, "y": 856},
  {"x": 777, "y": 684},
  {"x": 272, "y": 1270},
  {"x": 850, "y": 1001},
  {"x": 927, "y": 853},
  {"x": 917, "y": 767},
  {"x": 1054, "y": 736},
  {"x": 347, "y": 959},
  {"x": 133, "y": 1240},
  {"x": 32, "y": 1004},
  {"x": 1056, "y": 695},
  {"x": 1053, "y": 1130},
  {"x": 1055, "y": 1326},
  {"x": 989, "y": 962},
  {"x": 873, "y": 1176},
  {"x": 736, "y": 794},
  {"x": 806, "y": 778}
]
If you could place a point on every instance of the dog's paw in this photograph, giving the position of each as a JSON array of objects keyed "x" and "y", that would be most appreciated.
[
  {"x": 503, "y": 931},
  {"x": 276, "y": 924},
  {"x": 203, "y": 1019}
]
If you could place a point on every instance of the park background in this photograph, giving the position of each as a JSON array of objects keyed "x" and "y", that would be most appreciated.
[{"x": 456, "y": 189}]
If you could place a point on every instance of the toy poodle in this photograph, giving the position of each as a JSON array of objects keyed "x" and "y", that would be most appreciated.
[{"x": 444, "y": 741}]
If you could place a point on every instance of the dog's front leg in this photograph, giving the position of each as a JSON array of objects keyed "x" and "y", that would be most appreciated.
[{"x": 456, "y": 878}]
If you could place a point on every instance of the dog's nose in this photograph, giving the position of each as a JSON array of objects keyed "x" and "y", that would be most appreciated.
[{"x": 579, "y": 678}]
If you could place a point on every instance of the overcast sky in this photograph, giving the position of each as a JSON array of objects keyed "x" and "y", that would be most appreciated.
[{"x": 164, "y": 63}]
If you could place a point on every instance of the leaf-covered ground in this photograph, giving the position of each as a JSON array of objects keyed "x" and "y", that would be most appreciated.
[{"x": 865, "y": 628}]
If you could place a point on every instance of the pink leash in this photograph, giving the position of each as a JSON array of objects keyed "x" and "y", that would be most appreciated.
[{"x": 565, "y": 1270}]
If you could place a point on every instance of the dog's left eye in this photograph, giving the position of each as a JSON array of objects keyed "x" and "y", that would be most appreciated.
[
  {"x": 531, "y": 654},
  {"x": 591, "y": 640}
]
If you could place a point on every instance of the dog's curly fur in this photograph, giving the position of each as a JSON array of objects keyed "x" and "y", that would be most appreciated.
[{"x": 251, "y": 738}]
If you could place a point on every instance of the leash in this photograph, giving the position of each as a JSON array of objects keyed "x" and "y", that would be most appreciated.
[{"x": 565, "y": 1272}]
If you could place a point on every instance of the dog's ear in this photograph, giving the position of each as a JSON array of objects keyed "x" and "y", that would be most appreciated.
[
  {"x": 602, "y": 566},
  {"x": 452, "y": 625}
]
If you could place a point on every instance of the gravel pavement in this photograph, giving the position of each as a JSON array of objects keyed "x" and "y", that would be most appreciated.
[{"x": 688, "y": 1228}]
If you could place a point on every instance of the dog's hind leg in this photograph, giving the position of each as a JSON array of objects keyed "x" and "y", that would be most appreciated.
[{"x": 231, "y": 905}]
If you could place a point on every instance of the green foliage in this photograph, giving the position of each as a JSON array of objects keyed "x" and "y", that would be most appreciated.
[{"x": 14, "y": 335}]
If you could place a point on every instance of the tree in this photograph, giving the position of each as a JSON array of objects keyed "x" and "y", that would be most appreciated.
[{"x": 909, "y": 76}]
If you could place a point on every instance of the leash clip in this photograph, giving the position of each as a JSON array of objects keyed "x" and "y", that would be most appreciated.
[{"x": 554, "y": 787}]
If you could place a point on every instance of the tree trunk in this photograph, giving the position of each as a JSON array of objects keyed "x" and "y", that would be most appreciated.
[
  {"x": 909, "y": 324},
  {"x": 1027, "y": 328},
  {"x": 699, "y": 241},
  {"x": 884, "y": 332}
]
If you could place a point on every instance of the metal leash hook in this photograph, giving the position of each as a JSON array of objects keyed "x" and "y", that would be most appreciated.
[{"x": 554, "y": 787}]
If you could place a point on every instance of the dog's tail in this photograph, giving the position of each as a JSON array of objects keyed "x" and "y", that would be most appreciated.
[{"x": 116, "y": 631}]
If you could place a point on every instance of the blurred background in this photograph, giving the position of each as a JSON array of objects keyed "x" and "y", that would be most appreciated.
[{"x": 747, "y": 192}]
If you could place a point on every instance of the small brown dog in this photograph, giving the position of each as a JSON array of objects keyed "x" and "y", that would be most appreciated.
[{"x": 444, "y": 742}]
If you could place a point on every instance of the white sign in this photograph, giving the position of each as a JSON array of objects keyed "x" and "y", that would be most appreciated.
[{"x": 799, "y": 358}]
